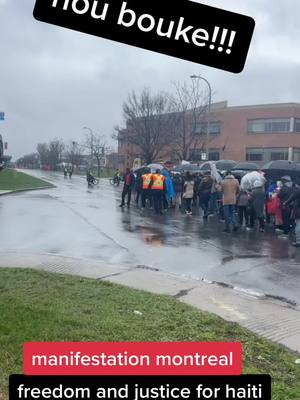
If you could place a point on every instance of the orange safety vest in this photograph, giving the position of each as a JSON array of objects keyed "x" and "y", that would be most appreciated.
[
  {"x": 158, "y": 182},
  {"x": 146, "y": 181}
]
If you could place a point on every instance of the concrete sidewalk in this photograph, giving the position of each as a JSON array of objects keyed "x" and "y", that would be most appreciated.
[{"x": 274, "y": 320}]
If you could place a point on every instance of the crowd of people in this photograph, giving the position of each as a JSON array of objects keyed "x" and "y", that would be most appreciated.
[{"x": 244, "y": 203}]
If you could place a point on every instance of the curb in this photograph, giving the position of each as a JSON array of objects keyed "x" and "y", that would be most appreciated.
[
  {"x": 272, "y": 319},
  {"x": 27, "y": 190}
]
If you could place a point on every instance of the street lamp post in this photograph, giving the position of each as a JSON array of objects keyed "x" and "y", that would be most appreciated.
[{"x": 208, "y": 113}]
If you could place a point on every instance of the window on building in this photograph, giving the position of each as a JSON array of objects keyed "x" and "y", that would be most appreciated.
[
  {"x": 195, "y": 154},
  {"x": 297, "y": 125},
  {"x": 296, "y": 154},
  {"x": 273, "y": 125},
  {"x": 214, "y": 128},
  {"x": 264, "y": 155},
  {"x": 214, "y": 156},
  {"x": 254, "y": 157},
  {"x": 279, "y": 155}
]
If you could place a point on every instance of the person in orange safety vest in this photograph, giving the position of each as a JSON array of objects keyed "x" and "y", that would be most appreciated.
[
  {"x": 146, "y": 191},
  {"x": 158, "y": 187}
]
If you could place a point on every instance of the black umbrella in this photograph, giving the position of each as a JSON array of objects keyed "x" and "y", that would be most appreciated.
[
  {"x": 280, "y": 164},
  {"x": 225, "y": 165},
  {"x": 238, "y": 173},
  {"x": 276, "y": 169},
  {"x": 140, "y": 171},
  {"x": 206, "y": 166},
  {"x": 186, "y": 167},
  {"x": 246, "y": 166}
]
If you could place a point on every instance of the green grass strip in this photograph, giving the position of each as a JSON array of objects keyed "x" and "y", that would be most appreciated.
[
  {"x": 38, "y": 306},
  {"x": 14, "y": 180}
]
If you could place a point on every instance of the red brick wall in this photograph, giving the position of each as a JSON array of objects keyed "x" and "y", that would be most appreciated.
[{"x": 234, "y": 136}]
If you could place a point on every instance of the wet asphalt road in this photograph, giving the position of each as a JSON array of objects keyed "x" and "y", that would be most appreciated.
[{"x": 72, "y": 220}]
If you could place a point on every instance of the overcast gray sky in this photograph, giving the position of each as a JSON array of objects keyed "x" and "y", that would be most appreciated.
[{"x": 54, "y": 81}]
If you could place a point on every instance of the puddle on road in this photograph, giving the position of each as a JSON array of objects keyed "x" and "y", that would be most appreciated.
[
  {"x": 228, "y": 259},
  {"x": 95, "y": 207},
  {"x": 56, "y": 251},
  {"x": 42, "y": 196}
]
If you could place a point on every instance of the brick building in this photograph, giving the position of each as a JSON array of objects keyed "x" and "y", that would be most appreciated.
[{"x": 258, "y": 133}]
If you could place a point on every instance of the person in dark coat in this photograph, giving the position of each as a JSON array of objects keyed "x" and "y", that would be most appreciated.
[
  {"x": 178, "y": 189},
  {"x": 204, "y": 193},
  {"x": 242, "y": 206},
  {"x": 129, "y": 182},
  {"x": 138, "y": 187},
  {"x": 197, "y": 181},
  {"x": 257, "y": 205},
  {"x": 284, "y": 195},
  {"x": 294, "y": 202}
]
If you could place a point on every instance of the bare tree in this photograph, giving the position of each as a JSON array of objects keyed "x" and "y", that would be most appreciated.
[
  {"x": 31, "y": 161},
  {"x": 1, "y": 146},
  {"x": 98, "y": 148},
  {"x": 147, "y": 117},
  {"x": 73, "y": 154},
  {"x": 43, "y": 152},
  {"x": 50, "y": 154},
  {"x": 56, "y": 148},
  {"x": 189, "y": 107}
]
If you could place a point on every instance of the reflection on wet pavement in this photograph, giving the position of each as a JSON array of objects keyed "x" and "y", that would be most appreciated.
[{"x": 72, "y": 220}]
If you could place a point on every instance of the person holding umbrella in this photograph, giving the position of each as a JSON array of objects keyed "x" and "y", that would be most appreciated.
[
  {"x": 257, "y": 206},
  {"x": 294, "y": 200},
  {"x": 230, "y": 188},
  {"x": 178, "y": 188},
  {"x": 284, "y": 195},
  {"x": 204, "y": 192}
]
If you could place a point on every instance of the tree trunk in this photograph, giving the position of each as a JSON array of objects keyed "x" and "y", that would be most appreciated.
[
  {"x": 149, "y": 160},
  {"x": 98, "y": 165}
]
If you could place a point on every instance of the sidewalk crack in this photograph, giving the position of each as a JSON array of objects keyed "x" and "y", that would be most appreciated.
[{"x": 183, "y": 293}]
